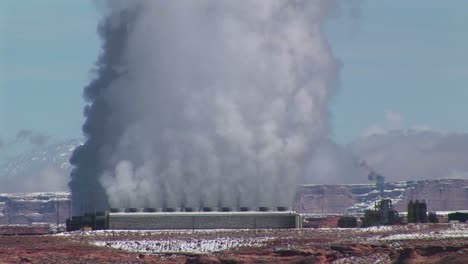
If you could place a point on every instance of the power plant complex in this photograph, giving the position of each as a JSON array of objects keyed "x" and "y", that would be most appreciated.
[
  {"x": 156, "y": 219},
  {"x": 320, "y": 201}
]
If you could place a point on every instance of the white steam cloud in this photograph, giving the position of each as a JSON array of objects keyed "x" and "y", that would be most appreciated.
[{"x": 206, "y": 103}]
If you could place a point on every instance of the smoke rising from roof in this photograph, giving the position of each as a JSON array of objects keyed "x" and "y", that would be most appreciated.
[{"x": 205, "y": 102}]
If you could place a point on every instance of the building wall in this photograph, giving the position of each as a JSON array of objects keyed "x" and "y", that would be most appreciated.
[{"x": 215, "y": 220}]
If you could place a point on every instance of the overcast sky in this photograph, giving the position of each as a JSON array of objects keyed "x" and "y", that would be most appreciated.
[{"x": 405, "y": 65}]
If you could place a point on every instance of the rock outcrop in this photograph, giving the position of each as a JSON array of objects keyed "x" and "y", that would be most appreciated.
[
  {"x": 28, "y": 208},
  {"x": 440, "y": 195}
]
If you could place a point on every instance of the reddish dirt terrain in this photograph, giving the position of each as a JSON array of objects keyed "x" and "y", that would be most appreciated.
[
  {"x": 442, "y": 243},
  {"x": 50, "y": 249}
]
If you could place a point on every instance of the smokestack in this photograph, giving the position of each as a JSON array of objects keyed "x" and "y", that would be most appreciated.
[
  {"x": 226, "y": 209},
  {"x": 244, "y": 209},
  {"x": 189, "y": 209},
  {"x": 217, "y": 101}
]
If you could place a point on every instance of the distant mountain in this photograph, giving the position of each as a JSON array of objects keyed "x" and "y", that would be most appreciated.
[{"x": 40, "y": 169}]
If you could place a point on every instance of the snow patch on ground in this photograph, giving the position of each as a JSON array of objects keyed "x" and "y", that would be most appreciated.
[
  {"x": 453, "y": 231},
  {"x": 200, "y": 246},
  {"x": 192, "y": 241},
  {"x": 393, "y": 228},
  {"x": 149, "y": 232},
  {"x": 374, "y": 258}
]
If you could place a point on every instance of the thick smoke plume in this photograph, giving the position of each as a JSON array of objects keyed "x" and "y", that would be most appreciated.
[{"x": 204, "y": 103}]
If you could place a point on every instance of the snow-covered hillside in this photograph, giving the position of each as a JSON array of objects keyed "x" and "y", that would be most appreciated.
[{"x": 39, "y": 169}]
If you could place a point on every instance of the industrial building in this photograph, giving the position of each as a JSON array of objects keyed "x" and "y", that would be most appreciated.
[{"x": 147, "y": 219}]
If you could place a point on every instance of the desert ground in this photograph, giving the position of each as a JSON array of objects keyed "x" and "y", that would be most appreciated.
[{"x": 412, "y": 243}]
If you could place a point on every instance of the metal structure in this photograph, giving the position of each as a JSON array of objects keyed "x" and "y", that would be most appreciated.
[
  {"x": 458, "y": 216},
  {"x": 417, "y": 212},
  {"x": 382, "y": 214}
]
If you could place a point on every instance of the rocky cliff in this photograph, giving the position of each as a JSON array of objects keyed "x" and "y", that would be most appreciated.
[
  {"x": 440, "y": 195},
  {"x": 27, "y": 208}
]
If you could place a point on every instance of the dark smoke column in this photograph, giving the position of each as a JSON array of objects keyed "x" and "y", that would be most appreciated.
[
  {"x": 204, "y": 103},
  {"x": 89, "y": 160}
]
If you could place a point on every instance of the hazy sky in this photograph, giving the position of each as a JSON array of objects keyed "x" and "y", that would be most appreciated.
[{"x": 405, "y": 64}]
